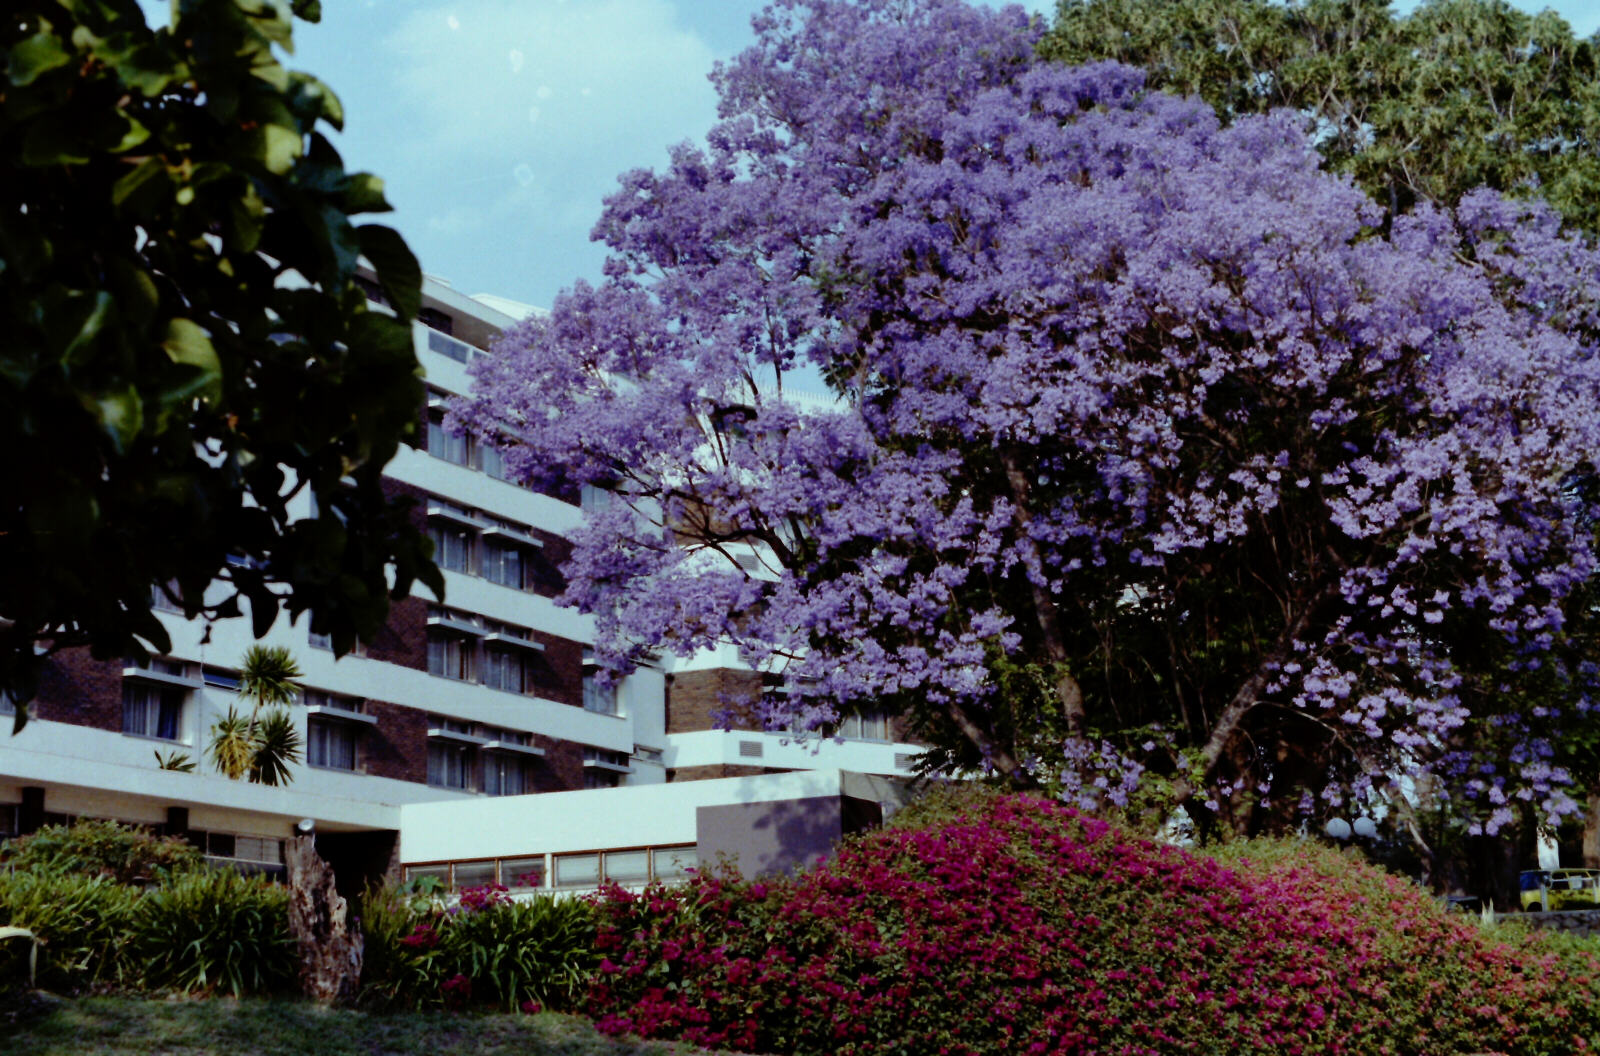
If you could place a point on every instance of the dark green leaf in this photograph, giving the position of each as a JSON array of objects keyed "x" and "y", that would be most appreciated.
[{"x": 398, "y": 271}]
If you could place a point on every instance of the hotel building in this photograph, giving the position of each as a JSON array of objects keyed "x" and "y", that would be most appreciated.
[{"x": 478, "y": 719}]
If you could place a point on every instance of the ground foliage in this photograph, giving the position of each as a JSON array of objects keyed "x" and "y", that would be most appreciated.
[
  {"x": 1163, "y": 466},
  {"x": 1016, "y": 925},
  {"x": 92, "y": 847},
  {"x": 187, "y": 348},
  {"x": 482, "y": 948}
]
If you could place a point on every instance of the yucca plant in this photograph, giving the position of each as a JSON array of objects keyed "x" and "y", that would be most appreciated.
[
  {"x": 260, "y": 747},
  {"x": 215, "y": 930},
  {"x": 81, "y": 924}
]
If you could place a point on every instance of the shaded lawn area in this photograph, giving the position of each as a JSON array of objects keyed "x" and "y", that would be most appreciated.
[{"x": 224, "y": 1027}]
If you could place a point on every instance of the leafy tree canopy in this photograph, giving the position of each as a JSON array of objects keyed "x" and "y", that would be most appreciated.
[
  {"x": 1158, "y": 467},
  {"x": 1457, "y": 95},
  {"x": 186, "y": 346}
]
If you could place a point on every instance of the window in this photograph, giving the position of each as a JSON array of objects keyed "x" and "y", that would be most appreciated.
[
  {"x": 522, "y": 872},
  {"x": 474, "y": 874},
  {"x": 7, "y": 705},
  {"x": 451, "y": 447},
  {"x": 593, "y": 497},
  {"x": 220, "y": 679},
  {"x": 601, "y": 779},
  {"x": 577, "y": 870},
  {"x": 628, "y": 867},
  {"x": 504, "y": 775},
  {"x": 160, "y": 602},
  {"x": 503, "y": 564},
  {"x": 434, "y": 319},
  {"x": 450, "y": 766},
  {"x": 504, "y": 669},
  {"x": 320, "y": 641},
  {"x": 330, "y": 744},
  {"x": 871, "y": 726},
  {"x": 493, "y": 462},
  {"x": 316, "y": 698},
  {"x": 598, "y": 698},
  {"x": 674, "y": 863},
  {"x": 452, "y": 656},
  {"x": 152, "y": 711},
  {"x": 445, "y": 345},
  {"x": 453, "y": 546}
]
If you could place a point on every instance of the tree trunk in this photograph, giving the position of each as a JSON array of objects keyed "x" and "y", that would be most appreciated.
[{"x": 330, "y": 951}]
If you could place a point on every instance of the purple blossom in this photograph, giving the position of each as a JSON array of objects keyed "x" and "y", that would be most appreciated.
[{"x": 1110, "y": 383}]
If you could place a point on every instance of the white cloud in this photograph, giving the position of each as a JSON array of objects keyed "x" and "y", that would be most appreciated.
[{"x": 509, "y": 78}]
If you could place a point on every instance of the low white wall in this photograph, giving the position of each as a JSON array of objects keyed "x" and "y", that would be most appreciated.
[
  {"x": 105, "y": 774},
  {"x": 589, "y": 820},
  {"x": 722, "y": 748}
]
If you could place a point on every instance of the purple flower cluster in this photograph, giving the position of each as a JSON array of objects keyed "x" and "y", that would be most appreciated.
[{"x": 1156, "y": 406}]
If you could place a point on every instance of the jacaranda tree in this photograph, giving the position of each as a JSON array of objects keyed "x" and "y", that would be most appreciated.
[{"x": 1158, "y": 466}]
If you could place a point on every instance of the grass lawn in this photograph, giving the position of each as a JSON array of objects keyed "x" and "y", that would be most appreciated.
[{"x": 132, "y": 1027}]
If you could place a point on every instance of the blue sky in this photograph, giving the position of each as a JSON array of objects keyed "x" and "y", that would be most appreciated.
[{"x": 498, "y": 125}]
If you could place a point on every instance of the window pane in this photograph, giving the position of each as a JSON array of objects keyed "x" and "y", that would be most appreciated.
[
  {"x": 674, "y": 863},
  {"x": 450, "y": 657},
  {"x": 502, "y": 565},
  {"x": 474, "y": 874},
  {"x": 452, "y": 548},
  {"x": 578, "y": 870},
  {"x": 449, "y": 766},
  {"x": 440, "y": 873},
  {"x": 330, "y": 744},
  {"x": 628, "y": 867},
  {"x": 522, "y": 872},
  {"x": 503, "y": 776},
  {"x": 502, "y": 669},
  {"x": 451, "y": 448},
  {"x": 494, "y": 463},
  {"x": 598, "y": 698}
]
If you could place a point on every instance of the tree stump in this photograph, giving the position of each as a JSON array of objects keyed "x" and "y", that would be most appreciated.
[{"x": 330, "y": 951}]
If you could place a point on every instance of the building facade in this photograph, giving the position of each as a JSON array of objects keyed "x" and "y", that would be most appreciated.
[{"x": 490, "y": 694}]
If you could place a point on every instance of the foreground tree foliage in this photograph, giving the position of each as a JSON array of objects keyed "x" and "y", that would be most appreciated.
[
  {"x": 186, "y": 347},
  {"x": 1456, "y": 95},
  {"x": 1161, "y": 468}
]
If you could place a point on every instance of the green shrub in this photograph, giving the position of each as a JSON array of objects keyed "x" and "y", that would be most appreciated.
[
  {"x": 82, "y": 921},
  {"x": 123, "y": 853},
  {"x": 214, "y": 930},
  {"x": 486, "y": 948}
]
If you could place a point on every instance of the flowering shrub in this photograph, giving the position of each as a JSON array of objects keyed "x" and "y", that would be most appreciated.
[
  {"x": 1023, "y": 927},
  {"x": 484, "y": 947}
]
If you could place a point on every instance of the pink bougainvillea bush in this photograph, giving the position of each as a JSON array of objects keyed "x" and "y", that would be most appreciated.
[{"x": 1020, "y": 926}]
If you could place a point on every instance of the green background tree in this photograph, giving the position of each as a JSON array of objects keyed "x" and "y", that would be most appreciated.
[
  {"x": 187, "y": 348},
  {"x": 1456, "y": 95}
]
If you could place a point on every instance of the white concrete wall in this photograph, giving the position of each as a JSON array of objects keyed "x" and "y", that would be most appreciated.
[
  {"x": 722, "y": 747},
  {"x": 105, "y": 774},
  {"x": 589, "y": 820}
]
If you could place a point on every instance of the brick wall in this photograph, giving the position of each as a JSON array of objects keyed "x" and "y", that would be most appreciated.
[
  {"x": 561, "y": 769},
  {"x": 544, "y": 568},
  {"x": 404, "y": 638},
  {"x": 398, "y": 746},
  {"x": 693, "y": 697},
  {"x": 77, "y": 689},
  {"x": 558, "y": 675}
]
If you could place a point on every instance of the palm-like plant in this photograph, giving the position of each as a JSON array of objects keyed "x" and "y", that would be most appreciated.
[{"x": 260, "y": 747}]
